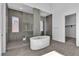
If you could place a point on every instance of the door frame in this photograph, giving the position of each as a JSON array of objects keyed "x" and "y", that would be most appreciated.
[{"x": 65, "y": 24}]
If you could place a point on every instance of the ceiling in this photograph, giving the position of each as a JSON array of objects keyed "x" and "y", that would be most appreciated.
[{"x": 24, "y": 8}]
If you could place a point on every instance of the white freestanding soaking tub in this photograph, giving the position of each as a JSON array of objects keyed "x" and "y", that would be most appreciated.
[{"x": 39, "y": 42}]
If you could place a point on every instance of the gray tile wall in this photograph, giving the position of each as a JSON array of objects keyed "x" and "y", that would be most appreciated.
[
  {"x": 36, "y": 22},
  {"x": 25, "y": 24}
]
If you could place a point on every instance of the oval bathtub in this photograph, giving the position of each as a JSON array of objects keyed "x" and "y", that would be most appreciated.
[{"x": 39, "y": 42}]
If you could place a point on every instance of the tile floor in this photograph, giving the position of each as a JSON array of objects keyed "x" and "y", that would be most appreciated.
[{"x": 22, "y": 49}]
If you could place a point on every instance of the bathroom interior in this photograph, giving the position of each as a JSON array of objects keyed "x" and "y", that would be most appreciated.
[
  {"x": 24, "y": 22},
  {"x": 70, "y": 28}
]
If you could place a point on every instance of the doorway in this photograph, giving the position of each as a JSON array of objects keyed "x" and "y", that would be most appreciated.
[
  {"x": 70, "y": 28},
  {"x": 49, "y": 25},
  {"x": 46, "y": 25}
]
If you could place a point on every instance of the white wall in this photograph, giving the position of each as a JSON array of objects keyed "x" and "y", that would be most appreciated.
[
  {"x": 4, "y": 28},
  {"x": 59, "y": 12},
  {"x": 77, "y": 29},
  {"x": 58, "y": 26},
  {"x": 0, "y": 29}
]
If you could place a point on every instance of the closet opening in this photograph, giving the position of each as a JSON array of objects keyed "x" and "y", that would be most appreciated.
[{"x": 70, "y": 29}]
